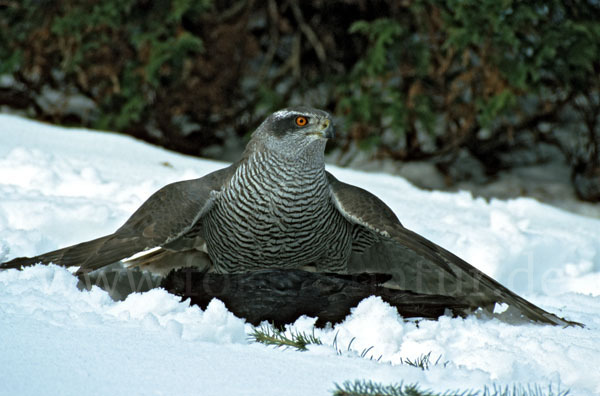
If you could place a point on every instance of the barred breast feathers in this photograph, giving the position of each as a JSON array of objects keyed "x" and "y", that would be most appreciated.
[{"x": 273, "y": 213}]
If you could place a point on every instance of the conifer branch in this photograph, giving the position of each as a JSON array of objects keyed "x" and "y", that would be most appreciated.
[
  {"x": 270, "y": 335},
  {"x": 369, "y": 388}
]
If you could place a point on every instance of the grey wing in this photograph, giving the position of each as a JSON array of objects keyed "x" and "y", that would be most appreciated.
[
  {"x": 161, "y": 220},
  {"x": 418, "y": 264}
]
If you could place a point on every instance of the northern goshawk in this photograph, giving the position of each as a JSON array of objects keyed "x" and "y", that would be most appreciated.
[{"x": 277, "y": 207}]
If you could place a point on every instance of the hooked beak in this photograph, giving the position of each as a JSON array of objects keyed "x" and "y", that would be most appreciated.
[
  {"x": 323, "y": 130},
  {"x": 327, "y": 129}
]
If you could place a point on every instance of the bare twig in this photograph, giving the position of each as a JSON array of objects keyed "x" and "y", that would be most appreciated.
[
  {"x": 232, "y": 11},
  {"x": 308, "y": 32},
  {"x": 274, "y": 39}
]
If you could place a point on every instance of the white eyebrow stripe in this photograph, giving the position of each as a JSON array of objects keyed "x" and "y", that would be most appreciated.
[{"x": 284, "y": 113}]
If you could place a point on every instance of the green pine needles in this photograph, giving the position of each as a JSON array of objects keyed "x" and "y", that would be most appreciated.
[
  {"x": 423, "y": 361},
  {"x": 369, "y": 388},
  {"x": 270, "y": 335}
]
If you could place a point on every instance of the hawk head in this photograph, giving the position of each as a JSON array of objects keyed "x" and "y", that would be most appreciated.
[{"x": 293, "y": 132}]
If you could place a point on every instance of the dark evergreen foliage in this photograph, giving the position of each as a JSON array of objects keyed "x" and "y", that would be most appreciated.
[{"x": 408, "y": 79}]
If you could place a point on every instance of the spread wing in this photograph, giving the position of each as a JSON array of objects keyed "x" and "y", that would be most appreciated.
[
  {"x": 163, "y": 219},
  {"x": 418, "y": 264}
]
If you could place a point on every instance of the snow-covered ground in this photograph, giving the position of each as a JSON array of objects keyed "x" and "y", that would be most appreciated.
[{"x": 60, "y": 186}]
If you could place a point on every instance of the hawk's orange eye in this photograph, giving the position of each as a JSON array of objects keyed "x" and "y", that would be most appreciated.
[{"x": 301, "y": 121}]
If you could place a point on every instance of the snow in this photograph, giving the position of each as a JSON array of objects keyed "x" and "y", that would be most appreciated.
[{"x": 60, "y": 186}]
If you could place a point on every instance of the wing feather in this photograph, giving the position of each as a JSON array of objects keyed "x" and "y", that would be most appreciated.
[
  {"x": 162, "y": 219},
  {"x": 418, "y": 264}
]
